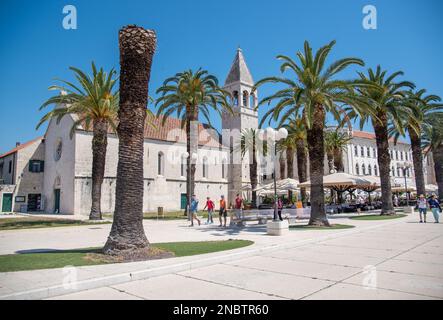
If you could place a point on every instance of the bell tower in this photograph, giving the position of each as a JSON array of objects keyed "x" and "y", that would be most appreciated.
[{"x": 239, "y": 83}]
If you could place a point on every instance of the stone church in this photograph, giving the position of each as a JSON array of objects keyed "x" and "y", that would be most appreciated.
[{"x": 53, "y": 173}]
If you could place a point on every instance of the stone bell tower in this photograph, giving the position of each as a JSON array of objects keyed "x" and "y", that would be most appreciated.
[{"x": 239, "y": 83}]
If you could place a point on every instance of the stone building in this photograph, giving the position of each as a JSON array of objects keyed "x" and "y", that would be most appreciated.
[{"x": 53, "y": 173}]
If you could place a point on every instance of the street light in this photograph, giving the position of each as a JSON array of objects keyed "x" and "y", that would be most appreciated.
[
  {"x": 275, "y": 135},
  {"x": 405, "y": 167}
]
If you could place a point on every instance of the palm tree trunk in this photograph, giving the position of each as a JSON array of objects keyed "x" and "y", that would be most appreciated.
[
  {"x": 290, "y": 167},
  {"x": 137, "y": 47},
  {"x": 338, "y": 160},
  {"x": 282, "y": 165},
  {"x": 253, "y": 174},
  {"x": 417, "y": 158},
  {"x": 316, "y": 161},
  {"x": 384, "y": 162},
  {"x": 302, "y": 169},
  {"x": 437, "y": 155},
  {"x": 99, "y": 145}
]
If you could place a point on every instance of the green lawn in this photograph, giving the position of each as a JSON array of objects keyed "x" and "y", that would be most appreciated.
[
  {"x": 332, "y": 227},
  {"x": 378, "y": 217},
  {"x": 43, "y": 222},
  {"x": 82, "y": 257}
]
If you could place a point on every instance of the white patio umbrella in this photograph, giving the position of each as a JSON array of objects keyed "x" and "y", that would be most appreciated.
[
  {"x": 287, "y": 184},
  {"x": 341, "y": 180},
  {"x": 431, "y": 188}
]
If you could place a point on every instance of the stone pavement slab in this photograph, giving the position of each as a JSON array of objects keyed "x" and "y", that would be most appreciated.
[{"x": 105, "y": 293}]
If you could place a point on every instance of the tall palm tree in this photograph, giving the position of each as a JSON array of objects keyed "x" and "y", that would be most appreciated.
[
  {"x": 251, "y": 144},
  {"x": 189, "y": 94},
  {"x": 316, "y": 91},
  {"x": 336, "y": 142},
  {"x": 137, "y": 47},
  {"x": 422, "y": 108},
  {"x": 432, "y": 139},
  {"x": 297, "y": 133},
  {"x": 384, "y": 96},
  {"x": 94, "y": 102}
]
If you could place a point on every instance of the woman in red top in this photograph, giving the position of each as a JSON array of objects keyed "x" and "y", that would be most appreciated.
[{"x": 210, "y": 205}]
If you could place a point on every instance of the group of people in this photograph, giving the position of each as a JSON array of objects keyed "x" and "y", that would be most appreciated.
[
  {"x": 210, "y": 206},
  {"x": 223, "y": 212},
  {"x": 432, "y": 203}
]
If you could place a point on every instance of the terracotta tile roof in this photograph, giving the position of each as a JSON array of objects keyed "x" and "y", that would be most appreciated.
[
  {"x": 371, "y": 135},
  {"x": 171, "y": 131},
  {"x": 22, "y": 146}
]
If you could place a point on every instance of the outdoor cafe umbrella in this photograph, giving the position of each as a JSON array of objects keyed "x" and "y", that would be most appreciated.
[
  {"x": 375, "y": 184},
  {"x": 431, "y": 188},
  {"x": 341, "y": 182},
  {"x": 284, "y": 184}
]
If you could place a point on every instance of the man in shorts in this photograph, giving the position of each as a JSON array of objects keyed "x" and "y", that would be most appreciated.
[{"x": 223, "y": 212}]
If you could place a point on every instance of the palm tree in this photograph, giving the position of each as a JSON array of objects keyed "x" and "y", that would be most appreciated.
[
  {"x": 432, "y": 139},
  {"x": 297, "y": 133},
  {"x": 316, "y": 91},
  {"x": 137, "y": 47},
  {"x": 336, "y": 142},
  {"x": 189, "y": 94},
  {"x": 250, "y": 143},
  {"x": 422, "y": 108},
  {"x": 94, "y": 103},
  {"x": 383, "y": 96}
]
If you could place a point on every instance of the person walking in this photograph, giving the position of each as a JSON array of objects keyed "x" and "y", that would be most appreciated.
[
  {"x": 279, "y": 208},
  {"x": 210, "y": 205},
  {"x": 223, "y": 213},
  {"x": 194, "y": 206},
  {"x": 434, "y": 205},
  {"x": 422, "y": 205},
  {"x": 238, "y": 206}
]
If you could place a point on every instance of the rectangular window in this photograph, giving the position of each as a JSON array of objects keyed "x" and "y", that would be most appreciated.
[
  {"x": 36, "y": 166},
  {"x": 10, "y": 166}
]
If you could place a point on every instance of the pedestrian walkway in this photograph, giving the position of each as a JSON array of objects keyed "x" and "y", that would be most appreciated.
[{"x": 395, "y": 259}]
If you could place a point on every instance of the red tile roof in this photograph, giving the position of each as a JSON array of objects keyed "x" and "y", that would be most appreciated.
[
  {"x": 171, "y": 131},
  {"x": 22, "y": 146},
  {"x": 371, "y": 135}
]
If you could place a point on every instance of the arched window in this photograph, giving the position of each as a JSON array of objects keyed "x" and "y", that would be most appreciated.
[
  {"x": 393, "y": 171},
  {"x": 369, "y": 170},
  {"x": 252, "y": 101},
  {"x": 183, "y": 166},
  {"x": 406, "y": 156},
  {"x": 363, "y": 169},
  {"x": 396, "y": 154},
  {"x": 161, "y": 164},
  {"x": 368, "y": 151},
  {"x": 357, "y": 169},
  {"x": 356, "y": 151},
  {"x": 401, "y": 155},
  {"x": 205, "y": 167},
  {"x": 235, "y": 97},
  {"x": 223, "y": 169},
  {"x": 362, "y": 151},
  {"x": 375, "y": 153},
  {"x": 245, "y": 98},
  {"x": 398, "y": 172},
  {"x": 375, "y": 171}
]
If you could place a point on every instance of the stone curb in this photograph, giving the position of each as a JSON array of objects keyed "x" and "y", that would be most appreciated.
[{"x": 58, "y": 290}]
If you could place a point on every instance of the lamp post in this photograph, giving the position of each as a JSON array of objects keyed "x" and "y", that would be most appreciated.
[
  {"x": 188, "y": 183},
  {"x": 274, "y": 136},
  {"x": 405, "y": 167}
]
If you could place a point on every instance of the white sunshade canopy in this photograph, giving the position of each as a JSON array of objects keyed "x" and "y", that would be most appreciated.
[
  {"x": 285, "y": 184},
  {"x": 341, "y": 179},
  {"x": 431, "y": 188}
]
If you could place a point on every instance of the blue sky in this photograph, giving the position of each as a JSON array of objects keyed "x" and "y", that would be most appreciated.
[{"x": 200, "y": 33}]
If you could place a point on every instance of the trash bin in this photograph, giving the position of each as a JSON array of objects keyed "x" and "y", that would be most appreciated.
[{"x": 160, "y": 212}]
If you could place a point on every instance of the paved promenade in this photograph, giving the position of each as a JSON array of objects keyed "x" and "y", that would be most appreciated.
[{"x": 390, "y": 259}]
